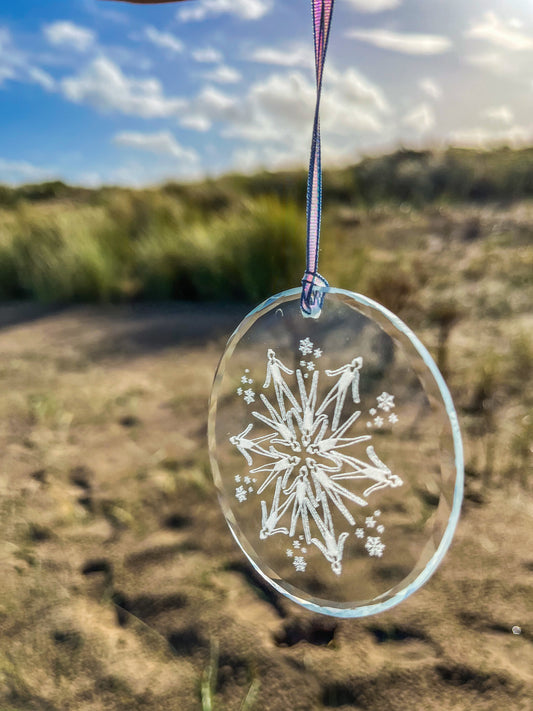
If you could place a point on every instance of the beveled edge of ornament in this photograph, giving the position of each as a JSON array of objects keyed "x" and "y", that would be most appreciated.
[{"x": 346, "y": 610}]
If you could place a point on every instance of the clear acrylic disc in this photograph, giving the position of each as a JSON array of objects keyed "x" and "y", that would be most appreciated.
[{"x": 336, "y": 453}]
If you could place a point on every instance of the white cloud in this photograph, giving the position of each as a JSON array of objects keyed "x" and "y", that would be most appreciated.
[
  {"x": 16, "y": 172},
  {"x": 417, "y": 44},
  {"x": 162, "y": 143},
  {"x": 496, "y": 62},
  {"x": 208, "y": 106},
  {"x": 253, "y": 158},
  {"x": 6, "y": 73},
  {"x": 277, "y": 113},
  {"x": 421, "y": 118},
  {"x": 165, "y": 40},
  {"x": 103, "y": 85},
  {"x": 196, "y": 122},
  {"x": 487, "y": 138},
  {"x": 374, "y": 5},
  {"x": 151, "y": 172},
  {"x": 297, "y": 56},
  {"x": 67, "y": 34},
  {"x": 501, "y": 33},
  {"x": 209, "y": 55},
  {"x": 223, "y": 75},
  {"x": 39, "y": 76},
  {"x": 244, "y": 9},
  {"x": 16, "y": 66},
  {"x": 499, "y": 114},
  {"x": 11, "y": 59},
  {"x": 89, "y": 179},
  {"x": 431, "y": 88}
]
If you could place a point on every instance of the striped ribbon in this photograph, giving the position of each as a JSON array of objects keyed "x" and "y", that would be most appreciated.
[{"x": 312, "y": 296}]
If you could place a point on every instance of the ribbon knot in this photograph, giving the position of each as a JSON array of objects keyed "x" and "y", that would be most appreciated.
[{"x": 312, "y": 299}]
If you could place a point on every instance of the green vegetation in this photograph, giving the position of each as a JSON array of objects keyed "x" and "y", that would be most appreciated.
[{"x": 241, "y": 238}]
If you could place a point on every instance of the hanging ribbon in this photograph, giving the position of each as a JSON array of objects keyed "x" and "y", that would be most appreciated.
[{"x": 312, "y": 283}]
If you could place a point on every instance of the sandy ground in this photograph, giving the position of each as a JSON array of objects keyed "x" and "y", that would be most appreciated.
[{"x": 121, "y": 587}]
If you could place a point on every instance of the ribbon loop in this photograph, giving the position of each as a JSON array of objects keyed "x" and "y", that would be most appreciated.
[{"x": 312, "y": 298}]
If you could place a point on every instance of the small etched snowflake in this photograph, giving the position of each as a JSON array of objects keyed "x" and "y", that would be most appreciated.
[
  {"x": 380, "y": 528},
  {"x": 237, "y": 478},
  {"x": 289, "y": 552},
  {"x": 249, "y": 396},
  {"x": 244, "y": 379},
  {"x": 247, "y": 480},
  {"x": 239, "y": 391},
  {"x": 296, "y": 544},
  {"x": 304, "y": 550},
  {"x": 299, "y": 563},
  {"x": 317, "y": 353},
  {"x": 374, "y": 546},
  {"x": 370, "y": 522},
  {"x": 310, "y": 365},
  {"x": 251, "y": 489},
  {"x": 306, "y": 346},
  {"x": 378, "y": 421},
  {"x": 373, "y": 411},
  {"x": 385, "y": 401},
  {"x": 377, "y": 513},
  {"x": 393, "y": 419},
  {"x": 240, "y": 494},
  {"x": 303, "y": 363},
  {"x": 360, "y": 533}
]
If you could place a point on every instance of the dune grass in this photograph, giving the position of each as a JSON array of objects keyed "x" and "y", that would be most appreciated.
[{"x": 243, "y": 238}]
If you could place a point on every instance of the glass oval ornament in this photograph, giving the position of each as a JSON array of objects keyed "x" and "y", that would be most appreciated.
[{"x": 336, "y": 452}]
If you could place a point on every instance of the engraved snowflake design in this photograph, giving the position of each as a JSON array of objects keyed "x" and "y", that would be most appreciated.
[{"x": 305, "y": 463}]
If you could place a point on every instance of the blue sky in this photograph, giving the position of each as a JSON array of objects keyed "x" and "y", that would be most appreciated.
[{"x": 106, "y": 92}]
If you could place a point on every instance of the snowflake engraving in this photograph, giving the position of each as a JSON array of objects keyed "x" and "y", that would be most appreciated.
[
  {"x": 305, "y": 463},
  {"x": 299, "y": 563},
  {"x": 374, "y": 546},
  {"x": 240, "y": 494},
  {"x": 306, "y": 346},
  {"x": 386, "y": 401}
]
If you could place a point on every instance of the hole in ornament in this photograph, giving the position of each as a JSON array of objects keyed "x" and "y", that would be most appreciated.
[{"x": 279, "y": 313}]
